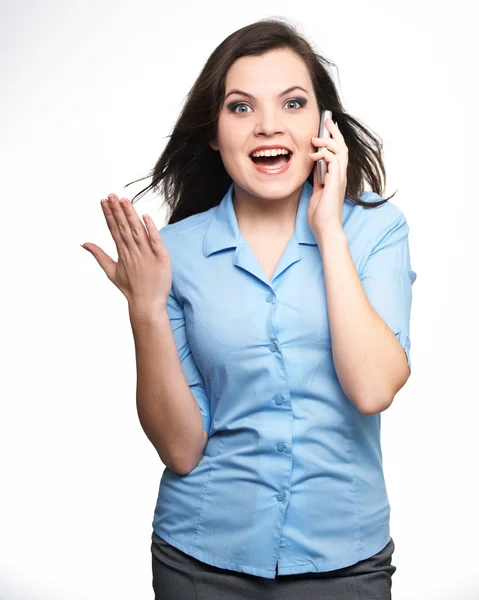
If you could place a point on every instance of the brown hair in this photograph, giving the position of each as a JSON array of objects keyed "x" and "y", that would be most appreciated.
[{"x": 191, "y": 174}]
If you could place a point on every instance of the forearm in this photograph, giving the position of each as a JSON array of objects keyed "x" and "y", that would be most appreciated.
[
  {"x": 168, "y": 412},
  {"x": 369, "y": 360}
]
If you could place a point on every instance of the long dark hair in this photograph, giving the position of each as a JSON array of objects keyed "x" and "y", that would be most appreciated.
[{"x": 191, "y": 175}]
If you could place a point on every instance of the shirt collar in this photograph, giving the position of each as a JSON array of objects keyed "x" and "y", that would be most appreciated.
[{"x": 223, "y": 231}]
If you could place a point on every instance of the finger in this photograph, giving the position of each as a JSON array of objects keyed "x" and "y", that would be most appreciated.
[
  {"x": 330, "y": 144},
  {"x": 138, "y": 232},
  {"x": 323, "y": 153},
  {"x": 326, "y": 142},
  {"x": 156, "y": 243},
  {"x": 105, "y": 261},
  {"x": 342, "y": 158},
  {"x": 329, "y": 157},
  {"x": 122, "y": 224},
  {"x": 113, "y": 227},
  {"x": 333, "y": 128}
]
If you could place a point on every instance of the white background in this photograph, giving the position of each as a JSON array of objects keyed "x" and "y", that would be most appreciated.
[{"x": 89, "y": 93}]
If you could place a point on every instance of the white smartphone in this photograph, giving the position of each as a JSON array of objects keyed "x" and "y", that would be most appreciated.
[{"x": 323, "y": 132}]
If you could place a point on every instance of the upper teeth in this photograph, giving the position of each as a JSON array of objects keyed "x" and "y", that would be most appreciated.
[{"x": 273, "y": 152}]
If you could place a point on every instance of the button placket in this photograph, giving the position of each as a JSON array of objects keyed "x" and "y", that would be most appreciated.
[{"x": 280, "y": 446}]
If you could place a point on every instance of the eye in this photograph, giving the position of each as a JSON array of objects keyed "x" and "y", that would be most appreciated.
[
  {"x": 234, "y": 105},
  {"x": 300, "y": 101}
]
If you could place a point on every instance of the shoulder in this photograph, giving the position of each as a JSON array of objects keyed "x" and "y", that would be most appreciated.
[
  {"x": 186, "y": 232},
  {"x": 184, "y": 241},
  {"x": 380, "y": 220}
]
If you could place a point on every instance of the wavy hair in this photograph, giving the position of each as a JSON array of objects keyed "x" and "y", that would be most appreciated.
[{"x": 190, "y": 174}]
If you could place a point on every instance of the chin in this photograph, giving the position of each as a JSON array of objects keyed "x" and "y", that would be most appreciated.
[{"x": 273, "y": 184}]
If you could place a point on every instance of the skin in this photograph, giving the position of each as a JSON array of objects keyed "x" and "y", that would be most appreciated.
[{"x": 267, "y": 203}]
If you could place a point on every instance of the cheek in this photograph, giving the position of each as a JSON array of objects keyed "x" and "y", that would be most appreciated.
[
  {"x": 232, "y": 160},
  {"x": 233, "y": 151},
  {"x": 233, "y": 134}
]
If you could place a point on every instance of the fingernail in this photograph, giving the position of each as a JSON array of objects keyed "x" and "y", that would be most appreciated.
[{"x": 85, "y": 247}]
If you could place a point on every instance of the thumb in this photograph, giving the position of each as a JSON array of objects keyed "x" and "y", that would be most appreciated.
[{"x": 105, "y": 261}]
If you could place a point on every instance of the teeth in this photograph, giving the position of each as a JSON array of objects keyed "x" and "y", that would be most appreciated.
[{"x": 273, "y": 152}]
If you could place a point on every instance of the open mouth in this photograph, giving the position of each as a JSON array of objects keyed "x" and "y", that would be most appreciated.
[{"x": 272, "y": 162}]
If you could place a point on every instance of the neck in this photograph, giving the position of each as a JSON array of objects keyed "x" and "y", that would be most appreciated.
[{"x": 271, "y": 216}]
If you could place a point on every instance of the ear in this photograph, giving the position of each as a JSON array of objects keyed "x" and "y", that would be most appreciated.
[{"x": 214, "y": 145}]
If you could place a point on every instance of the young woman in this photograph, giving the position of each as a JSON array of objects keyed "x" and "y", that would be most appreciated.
[{"x": 271, "y": 326}]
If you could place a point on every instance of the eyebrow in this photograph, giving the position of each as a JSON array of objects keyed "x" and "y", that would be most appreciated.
[{"x": 290, "y": 89}]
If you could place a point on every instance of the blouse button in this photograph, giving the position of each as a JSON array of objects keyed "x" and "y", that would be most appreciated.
[
  {"x": 273, "y": 347},
  {"x": 280, "y": 496},
  {"x": 269, "y": 298},
  {"x": 280, "y": 446},
  {"x": 279, "y": 400}
]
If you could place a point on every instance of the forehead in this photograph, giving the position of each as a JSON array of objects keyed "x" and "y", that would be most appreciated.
[{"x": 275, "y": 70}]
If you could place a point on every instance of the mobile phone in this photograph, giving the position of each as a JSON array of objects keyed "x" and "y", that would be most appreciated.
[{"x": 323, "y": 132}]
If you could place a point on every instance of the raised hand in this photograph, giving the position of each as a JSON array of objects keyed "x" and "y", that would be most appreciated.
[{"x": 143, "y": 272}]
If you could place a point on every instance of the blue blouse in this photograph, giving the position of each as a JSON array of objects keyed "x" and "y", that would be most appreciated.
[{"x": 292, "y": 471}]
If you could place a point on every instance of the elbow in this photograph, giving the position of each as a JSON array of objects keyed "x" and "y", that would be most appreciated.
[
  {"x": 177, "y": 466},
  {"x": 370, "y": 408},
  {"x": 373, "y": 402},
  {"x": 383, "y": 401},
  {"x": 185, "y": 466},
  {"x": 180, "y": 468},
  {"x": 185, "y": 469},
  {"x": 181, "y": 471}
]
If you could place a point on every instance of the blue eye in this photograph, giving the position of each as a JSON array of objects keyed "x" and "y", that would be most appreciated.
[
  {"x": 300, "y": 101},
  {"x": 234, "y": 105}
]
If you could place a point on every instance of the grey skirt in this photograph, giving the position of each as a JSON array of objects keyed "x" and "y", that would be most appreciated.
[{"x": 178, "y": 576}]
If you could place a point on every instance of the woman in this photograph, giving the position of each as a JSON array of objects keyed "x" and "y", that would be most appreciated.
[{"x": 271, "y": 325}]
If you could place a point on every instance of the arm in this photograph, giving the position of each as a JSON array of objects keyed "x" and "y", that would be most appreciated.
[
  {"x": 371, "y": 362},
  {"x": 168, "y": 411}
]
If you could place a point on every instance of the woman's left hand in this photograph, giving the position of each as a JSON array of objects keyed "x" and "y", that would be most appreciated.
[{"x": 325, "y": 209}]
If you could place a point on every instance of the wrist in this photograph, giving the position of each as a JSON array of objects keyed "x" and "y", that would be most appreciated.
[
  {"x": 147, "y": 314},
  {"x": 330, "y": 235}
]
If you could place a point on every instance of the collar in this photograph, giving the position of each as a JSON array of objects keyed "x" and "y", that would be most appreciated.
[{"x": 223, "y": 231}]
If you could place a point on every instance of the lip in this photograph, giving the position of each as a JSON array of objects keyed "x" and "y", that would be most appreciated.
[
  {"x": 271, "y": 170},
  {"x": 271, "y": 147}
]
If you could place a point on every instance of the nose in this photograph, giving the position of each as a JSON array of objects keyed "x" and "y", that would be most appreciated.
[{"x": 269, "y": 123}]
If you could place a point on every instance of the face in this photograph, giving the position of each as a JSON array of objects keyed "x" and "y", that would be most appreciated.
[{"x": 270, "y": 118}]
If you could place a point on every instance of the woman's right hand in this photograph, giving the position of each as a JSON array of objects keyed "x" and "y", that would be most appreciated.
[{"x": 143, "y": 272}]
